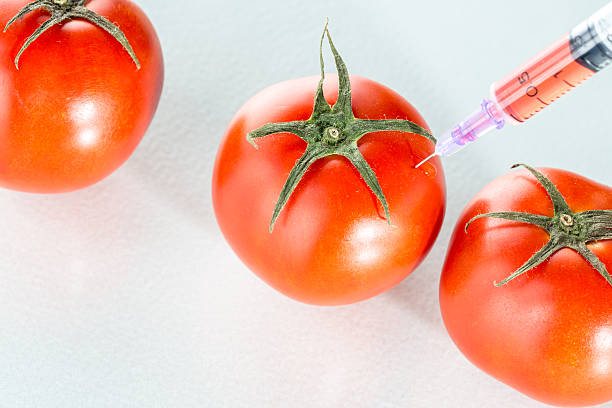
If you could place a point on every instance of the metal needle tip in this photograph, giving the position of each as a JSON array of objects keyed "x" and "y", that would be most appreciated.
[{"x": 426, "y": 159}]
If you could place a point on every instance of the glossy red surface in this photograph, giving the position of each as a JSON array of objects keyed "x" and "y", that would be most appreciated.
[{"x": 331, "y": 244}]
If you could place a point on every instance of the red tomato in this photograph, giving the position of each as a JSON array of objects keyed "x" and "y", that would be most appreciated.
[
  {"x": 331, "y": 243},
  {"x": 548, "y": 332},
  {"x": 78, "y": 106}
]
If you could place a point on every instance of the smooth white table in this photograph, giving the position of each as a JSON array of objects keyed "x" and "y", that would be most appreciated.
[{"x": 126, "y": 295}]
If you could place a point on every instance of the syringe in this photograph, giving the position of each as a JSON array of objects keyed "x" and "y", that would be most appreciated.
[{"x": 587, "y": 49}]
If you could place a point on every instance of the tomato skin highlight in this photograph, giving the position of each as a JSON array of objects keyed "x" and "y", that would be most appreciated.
[
  {"x": 77, "y": 107},
  {"x": 331, "y": 244},
  {"x": 547, "y": 333}
]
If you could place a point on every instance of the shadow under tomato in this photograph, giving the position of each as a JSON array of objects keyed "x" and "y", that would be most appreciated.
[{"x": 418, "y": 293}]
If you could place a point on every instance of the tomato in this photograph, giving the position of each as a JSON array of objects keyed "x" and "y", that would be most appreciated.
[
  {"x": 547, "y": 329},
  {"x": 78, "y": 105},
  {"x": 331, "y": 243}
]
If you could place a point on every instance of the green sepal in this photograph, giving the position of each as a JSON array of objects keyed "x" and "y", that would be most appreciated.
[
  {"x": 297, "y": 128},
  {"x": 368, "y": 175},
  {"x": 311, "y": 154},
  {"x": 361, "y": 127}
]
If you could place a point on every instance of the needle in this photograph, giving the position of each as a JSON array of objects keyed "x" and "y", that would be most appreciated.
[{"x": 423, "y": 162}]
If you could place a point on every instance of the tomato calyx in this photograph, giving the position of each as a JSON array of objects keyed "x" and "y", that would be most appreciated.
[
  {"x": 62, "y": 10},
  {"x": 566, "y": 229},
  {"x": 333, "y": 130}
]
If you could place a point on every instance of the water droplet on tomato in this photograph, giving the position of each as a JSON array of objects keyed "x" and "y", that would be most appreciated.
[{"x": 429, "y": 170}]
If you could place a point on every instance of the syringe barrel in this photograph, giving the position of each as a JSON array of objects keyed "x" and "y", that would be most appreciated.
[
  {"x": 558, "y": 69},
  {"x": 591, "y": 40}
]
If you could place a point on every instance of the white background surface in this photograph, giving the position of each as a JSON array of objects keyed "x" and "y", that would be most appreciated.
[{"x": 126, "y": 295}]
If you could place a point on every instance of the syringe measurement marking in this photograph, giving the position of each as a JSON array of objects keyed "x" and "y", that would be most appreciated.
[
  {"x": 546, "y": 92},
  {"x": 532, "y": 90}
]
